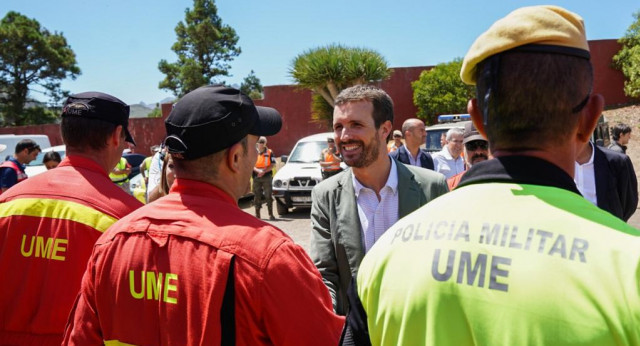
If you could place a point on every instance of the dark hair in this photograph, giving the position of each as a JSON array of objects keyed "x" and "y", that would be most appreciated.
[
  {"x": 27, "y": 143},
  {"x": 382, "y": 103},
  {"x": 51, "y": 156},
  {"x": 83, "y": 133},
  {"x": 536, "y": 97},
  {"x": 206, "y": 165},
  {"x": 620, "y": 129}
]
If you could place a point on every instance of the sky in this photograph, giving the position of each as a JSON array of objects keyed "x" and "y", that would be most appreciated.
[{"x": 118, "y": 43}]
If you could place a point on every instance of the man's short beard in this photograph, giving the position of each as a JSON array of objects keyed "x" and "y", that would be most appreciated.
[{"x": 369, "y": 153}]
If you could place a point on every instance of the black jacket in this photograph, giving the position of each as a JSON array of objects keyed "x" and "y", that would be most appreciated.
[
  {"x": 402, "y": 155},
  {"x": 616, "y": 183}
]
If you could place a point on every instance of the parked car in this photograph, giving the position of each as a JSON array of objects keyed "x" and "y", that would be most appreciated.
[
  {"x": 10, "y": 141},
  {"x": 293, "y": 183}
]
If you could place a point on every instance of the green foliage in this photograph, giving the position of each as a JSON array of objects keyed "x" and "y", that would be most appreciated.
[
  {"x": 441, "y": 91},
  {"x": 628, "y": 58},
  {"x": 251, "y": 86},
  {"x": 321, "y": 111},
  {"x": 204, "y": 47},
  {"x": 31, "y": 57},
  {"x": 328, "y": 70},
  {"x": 155, "y": 113}
]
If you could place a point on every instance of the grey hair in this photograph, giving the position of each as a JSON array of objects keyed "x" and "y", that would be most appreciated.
[{"x": 454, "y": 130}]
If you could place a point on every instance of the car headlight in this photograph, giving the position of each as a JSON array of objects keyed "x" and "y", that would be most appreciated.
[{"x": 277, "y": 183}]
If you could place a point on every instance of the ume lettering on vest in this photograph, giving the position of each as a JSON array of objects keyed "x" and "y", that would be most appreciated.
[{"x": 153, "y": 285}]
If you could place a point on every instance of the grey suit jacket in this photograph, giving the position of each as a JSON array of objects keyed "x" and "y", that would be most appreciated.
[{"x": 336, "y": 236}]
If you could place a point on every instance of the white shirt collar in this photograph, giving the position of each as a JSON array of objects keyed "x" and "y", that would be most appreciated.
[{"x": 392, "y": 180}]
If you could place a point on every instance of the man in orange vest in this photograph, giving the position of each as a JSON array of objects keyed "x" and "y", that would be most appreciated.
[
  {"x": 330, "y": 160},
  {"x": 262, "y": 178},
  {"x": 12, "y": 170}
]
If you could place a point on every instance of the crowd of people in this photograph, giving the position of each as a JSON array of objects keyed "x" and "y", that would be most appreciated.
[{"x": 514, "y": 233}]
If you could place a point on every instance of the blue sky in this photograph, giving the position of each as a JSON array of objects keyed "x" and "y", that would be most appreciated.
[{"x": 118, "y": 43}]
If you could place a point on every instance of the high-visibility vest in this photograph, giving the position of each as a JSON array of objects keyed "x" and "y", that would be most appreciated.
[
  {"x": 10, "y": 164},
  {"x": 120, "y": 178},
  {"x": 571, "y": 275},
  {"x": 331, "y": 157},
  {"x": 264, "y": 159},
  {"x": 147, "y": 166}
]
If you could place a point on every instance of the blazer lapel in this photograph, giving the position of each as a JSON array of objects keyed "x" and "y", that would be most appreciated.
[
  {"x": 348, "y": 228},
  {"x": 409, "y": 192}
]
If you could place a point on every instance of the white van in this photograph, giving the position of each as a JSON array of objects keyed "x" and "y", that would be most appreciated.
[
  {"x": 293, "y": 183},
  {"x": 11, "y": 140}
]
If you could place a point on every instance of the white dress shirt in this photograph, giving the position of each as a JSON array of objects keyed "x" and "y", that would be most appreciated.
[
  {"x": 446, "y": 164},
  {"x": 585, "y": 179},
  {"x": 376, "y": 216},
  {"x": 414, "y": 161}
]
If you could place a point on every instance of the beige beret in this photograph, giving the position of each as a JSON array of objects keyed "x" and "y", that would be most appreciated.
[{"x": 538, "y": 26}]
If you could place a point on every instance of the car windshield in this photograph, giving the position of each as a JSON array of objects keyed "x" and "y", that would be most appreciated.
[
  {"x": 433, "y": 140},
  {"x": 307, "y": 152},
  {"x": 40, "y": 157}
]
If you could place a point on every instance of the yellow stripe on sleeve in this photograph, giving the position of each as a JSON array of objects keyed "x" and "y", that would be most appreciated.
[{"x": 57, "y": 209}]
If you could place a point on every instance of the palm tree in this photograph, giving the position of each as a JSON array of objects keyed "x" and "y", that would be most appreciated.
[{"x": 327, "y": 70}]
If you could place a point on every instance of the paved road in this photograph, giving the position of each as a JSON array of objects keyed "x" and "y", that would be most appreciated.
[{"x": 296, "y": 223}]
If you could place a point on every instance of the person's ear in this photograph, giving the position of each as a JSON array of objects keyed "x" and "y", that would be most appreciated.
[
  {"x": 476, "y": 116},
  {"x": 116, "y": 136},
  {"x": 386, "y": 129},
  {"x": 588, "y": 118},
  {"x": 234, "y": 157}
]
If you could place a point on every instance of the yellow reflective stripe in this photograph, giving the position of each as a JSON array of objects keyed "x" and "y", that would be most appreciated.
[
  {"x": 57, "y": 209},
  {"x": 116, "y": 343}
]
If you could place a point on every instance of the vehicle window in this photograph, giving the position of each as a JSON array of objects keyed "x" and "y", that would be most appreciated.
[
  {"x": 433, "y": 140},
  {"x": 307, "y": 152},
  {"x": 38, "y": 160}
]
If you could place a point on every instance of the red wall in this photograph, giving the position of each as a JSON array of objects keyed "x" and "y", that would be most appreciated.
[{"x": 295, "y": 104}]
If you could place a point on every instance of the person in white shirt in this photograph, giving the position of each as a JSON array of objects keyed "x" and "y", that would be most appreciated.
[
  {"x": 352, "y": 209},
  {"x": 449, "y": 160},
  {"x": 607, "y": 179}
]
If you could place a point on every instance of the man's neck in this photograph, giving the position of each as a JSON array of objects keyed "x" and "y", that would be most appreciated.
[
  {"x": 585, "y": 154},
  {"x": 413, "y": 150},
  {"x": 374, "y": 176}
]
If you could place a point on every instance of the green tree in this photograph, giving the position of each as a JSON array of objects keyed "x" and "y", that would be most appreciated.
[
  {"x": 628, "y": 58},
  {"x": 251, "y": 86},
  {"x": 156, "y": 112},
  {"x": 32, "y": 59},
  {"x": 204, "y": 47},
  {"x": 328, "y": 70},
  {"x": 441, "y": 91}
]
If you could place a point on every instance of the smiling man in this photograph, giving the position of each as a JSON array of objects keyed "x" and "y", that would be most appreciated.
[{"x": 352, "y": 209}]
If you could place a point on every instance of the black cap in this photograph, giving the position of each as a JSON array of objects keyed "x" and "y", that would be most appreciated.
[
  {"x": 101, "y": 106},
  {"x": 471, "y": 133},
  {"x": 213, "y": 118}
]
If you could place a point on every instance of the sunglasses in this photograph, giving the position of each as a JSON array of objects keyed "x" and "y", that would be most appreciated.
[{"x": 473, "y": 145}]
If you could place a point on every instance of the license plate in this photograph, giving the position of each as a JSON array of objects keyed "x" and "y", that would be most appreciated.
[{"x": 303, "y": 199}]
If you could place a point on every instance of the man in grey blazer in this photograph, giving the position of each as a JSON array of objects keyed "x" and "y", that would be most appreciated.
[{"x": 351, "y": 210}]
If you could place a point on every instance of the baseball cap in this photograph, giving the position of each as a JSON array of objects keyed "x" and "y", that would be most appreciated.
[
  {"x": 546, "y": 29},
  {"x": 471, "y": 133},
  {"x": 214, "y": 117},
  {"x": 397, "y": 133},
  {"x": 101, "y": 106}
]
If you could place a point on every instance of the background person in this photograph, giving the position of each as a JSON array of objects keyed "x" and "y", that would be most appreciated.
[
  {"x": 397, "y": 141},
  {"x": 607, "y": 179},
  {"x": 534, "y": 254},
  {"x": 411, "y": 154},
  {"x": 226, "y": 276},
  {"x": 120, "y": 174},
  {"x": 51, "y": 160},
  {"x": 476, "y": 149},
  {"x": 449, "y": 160},
  {"x": 49, "y": 223},
  {"x": 350, "y": 211},
  {"x": 330, "y": 160},
  {"x": 263, "y": 178},
  {"x": 621, "y": 134},
  {"x": 168, "y": 176},
  {"x": 12, "y": 170}
]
